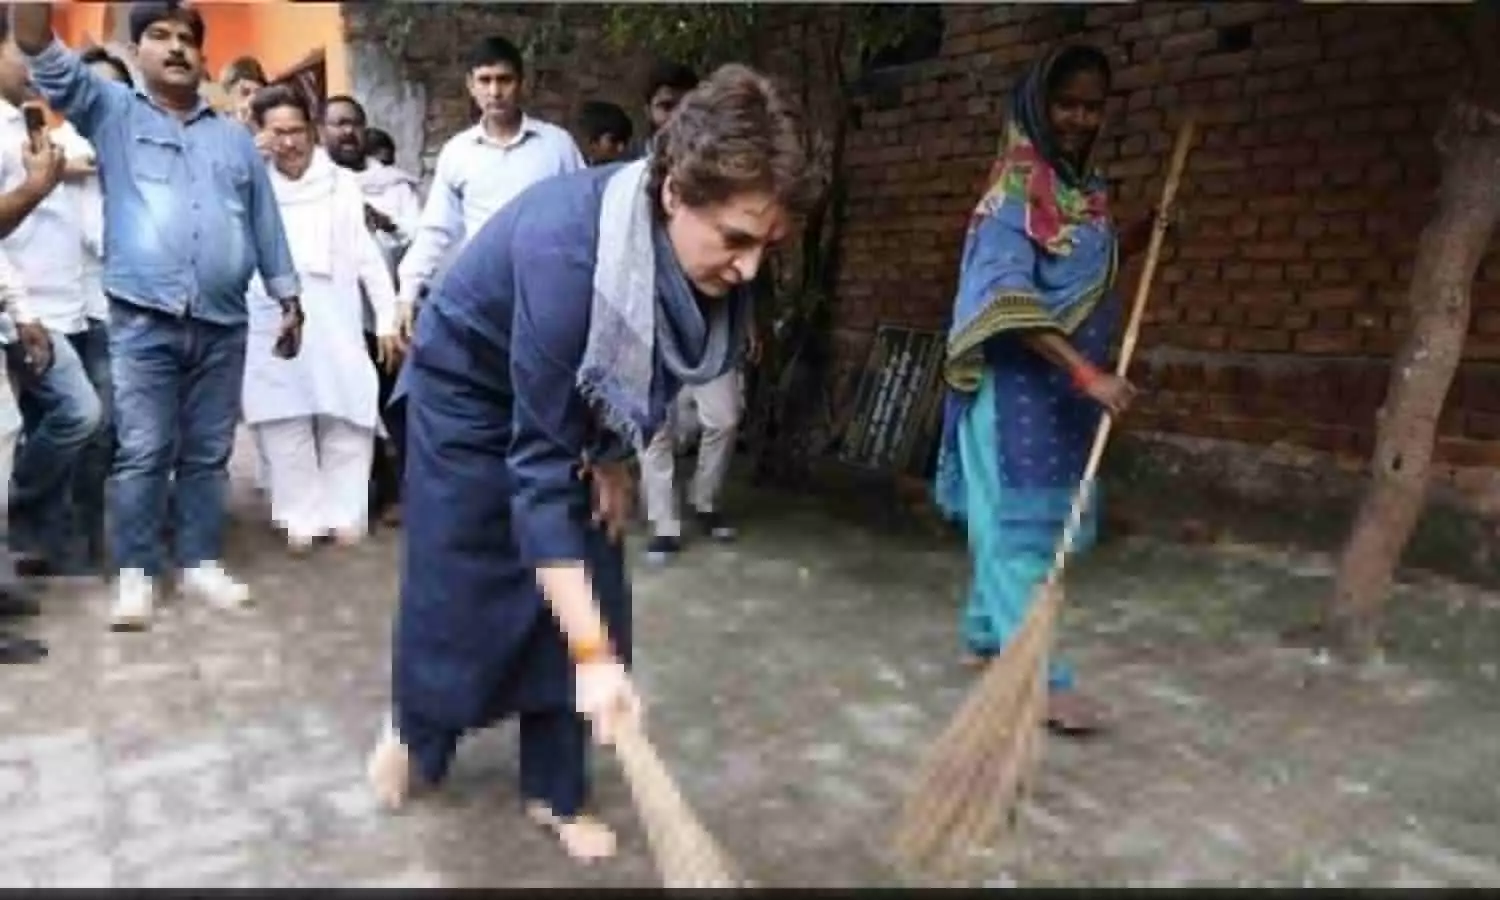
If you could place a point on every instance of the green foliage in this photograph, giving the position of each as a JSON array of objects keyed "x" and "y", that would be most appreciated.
[
  {"x": 391, "y": 21},
  {"x": 700, "y": 35}
]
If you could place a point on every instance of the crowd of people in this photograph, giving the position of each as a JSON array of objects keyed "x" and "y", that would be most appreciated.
[
  {"x": 483, "y": 365},
  {"x": 270, "y": 283}
]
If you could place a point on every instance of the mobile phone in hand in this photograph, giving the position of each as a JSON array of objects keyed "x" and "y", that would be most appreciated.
[{"x": 36, "y": 126}]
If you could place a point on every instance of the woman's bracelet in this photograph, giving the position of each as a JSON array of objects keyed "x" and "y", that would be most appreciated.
[
  {"x": 593, "y": 649},
  {"x": 1085, "y": 375}
]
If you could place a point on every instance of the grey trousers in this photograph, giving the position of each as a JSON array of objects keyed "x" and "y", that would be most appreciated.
[{"x": 719, "y": 407}]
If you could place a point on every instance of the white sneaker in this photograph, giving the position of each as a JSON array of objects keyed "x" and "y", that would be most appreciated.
[
  {"x": 134, "y": 593},
  {"x": 213, "y": 586}
]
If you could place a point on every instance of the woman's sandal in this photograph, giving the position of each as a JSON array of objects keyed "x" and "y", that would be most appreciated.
[
  {"x": 1072, "y": 714},
  {"x": 584, "y": 838},
  {"x": 1068, "y": 713}
]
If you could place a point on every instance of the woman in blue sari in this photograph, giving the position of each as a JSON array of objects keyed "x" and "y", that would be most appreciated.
[
  {"x": 547, "y": 356},
  {"x": 1033, "y": 322}
]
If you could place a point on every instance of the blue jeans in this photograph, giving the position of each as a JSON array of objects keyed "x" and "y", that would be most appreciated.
[
  {"x": 177, "y": 401},
  {"x": 61, "y": 412},
  {"x": 92, "y": 470}
]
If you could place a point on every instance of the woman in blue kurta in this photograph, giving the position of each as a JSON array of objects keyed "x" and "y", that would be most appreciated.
[
  {"x": 1033, "y": 321},
  {"x": 545, "y": 358}
]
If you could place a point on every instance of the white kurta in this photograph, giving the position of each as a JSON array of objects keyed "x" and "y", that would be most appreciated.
[
  {"x": 394, "y": 193},
  {"x": 323, "y": 215}
]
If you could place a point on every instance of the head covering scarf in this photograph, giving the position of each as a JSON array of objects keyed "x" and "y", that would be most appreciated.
[
  {"x": 1055, "y": 197},
  {"x": 1032, "y": 169}
]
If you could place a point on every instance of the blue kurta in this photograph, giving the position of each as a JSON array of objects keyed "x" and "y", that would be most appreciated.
[{"x": 496, "y": 432}]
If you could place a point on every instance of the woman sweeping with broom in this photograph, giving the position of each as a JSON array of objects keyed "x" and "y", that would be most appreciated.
[
  {"x": 547, "y": 355},
  {"x": 1032, "y": 326}
]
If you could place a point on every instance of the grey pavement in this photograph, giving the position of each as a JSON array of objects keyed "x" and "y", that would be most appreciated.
[{"x": 794, "y": 679}]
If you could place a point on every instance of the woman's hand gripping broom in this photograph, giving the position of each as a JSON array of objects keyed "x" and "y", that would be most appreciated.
[{"x": 977, "y": 773}]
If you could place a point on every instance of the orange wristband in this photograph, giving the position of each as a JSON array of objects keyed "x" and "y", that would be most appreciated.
[
  {"x": 1085, "y": 375},
  {"x": 591, "y": 650}
]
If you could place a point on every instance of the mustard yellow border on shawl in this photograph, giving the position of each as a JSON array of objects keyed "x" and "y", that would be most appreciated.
[{"x": 1013, "y": 310}]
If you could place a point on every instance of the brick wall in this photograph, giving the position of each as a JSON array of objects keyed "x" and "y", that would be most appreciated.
[
  {"x": 1277, "y": 305},
  {"x": 1281, "y": 300}
]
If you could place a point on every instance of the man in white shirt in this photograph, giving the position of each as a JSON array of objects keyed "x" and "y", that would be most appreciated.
[
  {"x": 14, "y": 603},
  {"x": 482, "y": 168},
  {"x": 81, "y": 185},
  {"x": 60, "y": 407},
  {"x": 392, "y": 209}
]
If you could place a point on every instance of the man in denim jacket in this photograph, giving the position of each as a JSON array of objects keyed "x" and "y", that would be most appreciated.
[{"x": 189, "y": 216}]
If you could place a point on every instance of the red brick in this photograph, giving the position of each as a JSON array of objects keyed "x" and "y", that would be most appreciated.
[
  {"x": 1279, "y": 251},
  {"x": 1225, "y": 64},
  {"x": 1300, "y": 273},
  {"x": 1271, "y": 298},
  {"x": 1292, "y": 104},
  {"x": 1330, "y": 73},
  {"x": 1333, "y": 297},
  {"x": 1261, "y": 340},
  {"x": 1269, "y": 273},
  {"x": 1281, "y": 55},
  {"x": 1464, "y": 452},
  {"x": 1485, "y": 426}
]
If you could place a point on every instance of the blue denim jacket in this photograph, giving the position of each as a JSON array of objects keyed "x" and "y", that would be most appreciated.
[{"x": 188, "y": 208}]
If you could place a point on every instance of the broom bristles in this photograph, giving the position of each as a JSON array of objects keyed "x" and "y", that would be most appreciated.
[
  {"x": 686, "y": 855},
  {"x": 974, "y": 773}
]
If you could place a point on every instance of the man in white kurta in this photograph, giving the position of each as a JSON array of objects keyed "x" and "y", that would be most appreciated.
[
  {"x": 392, "y": 208},
  {"x": 316, "y": 414}
]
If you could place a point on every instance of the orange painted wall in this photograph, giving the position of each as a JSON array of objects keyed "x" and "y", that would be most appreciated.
[{"x": 279, "y": 33}]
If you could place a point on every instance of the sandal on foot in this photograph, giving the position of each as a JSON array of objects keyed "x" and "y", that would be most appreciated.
[
  {"x": 1070, "y": 713},
  {"x": 584, "y": 838}
]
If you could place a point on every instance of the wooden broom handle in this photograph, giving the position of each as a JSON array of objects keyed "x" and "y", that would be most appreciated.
[{"x": 1127, "y": 346}]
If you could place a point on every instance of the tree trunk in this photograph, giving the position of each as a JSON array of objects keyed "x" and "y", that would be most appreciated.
[{"x": 1448, "y": 255}]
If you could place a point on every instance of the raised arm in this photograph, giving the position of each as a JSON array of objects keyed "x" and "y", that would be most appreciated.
[
  {"x": 40, "y": 174},
  {"x": 439, "y": 227},
  {"x": 71, "y": 88}
]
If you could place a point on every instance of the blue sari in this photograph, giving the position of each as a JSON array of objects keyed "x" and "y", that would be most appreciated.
[{"x": 1040, "y": 254}]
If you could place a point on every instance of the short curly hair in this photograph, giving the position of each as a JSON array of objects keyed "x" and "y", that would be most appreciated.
[{"x": 735, "y": 132}]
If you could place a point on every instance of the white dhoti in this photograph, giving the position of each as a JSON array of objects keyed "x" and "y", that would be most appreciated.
[
  {"x": 319, "y": 471},
  {"x": 314, "y": 416}
]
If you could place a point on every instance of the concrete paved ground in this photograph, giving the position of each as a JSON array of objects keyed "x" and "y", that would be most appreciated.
[{"x": 795, "y": 677}]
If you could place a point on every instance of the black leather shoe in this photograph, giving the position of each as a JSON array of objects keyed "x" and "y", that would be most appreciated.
[
  {"x": 15, "y": 650},
  {"x": 16, "y": 602}
]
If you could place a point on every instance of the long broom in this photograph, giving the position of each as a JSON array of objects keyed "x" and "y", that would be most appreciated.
[
  {"x": 686, "y": 855},
  {"x": 978, "y": 772}
]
